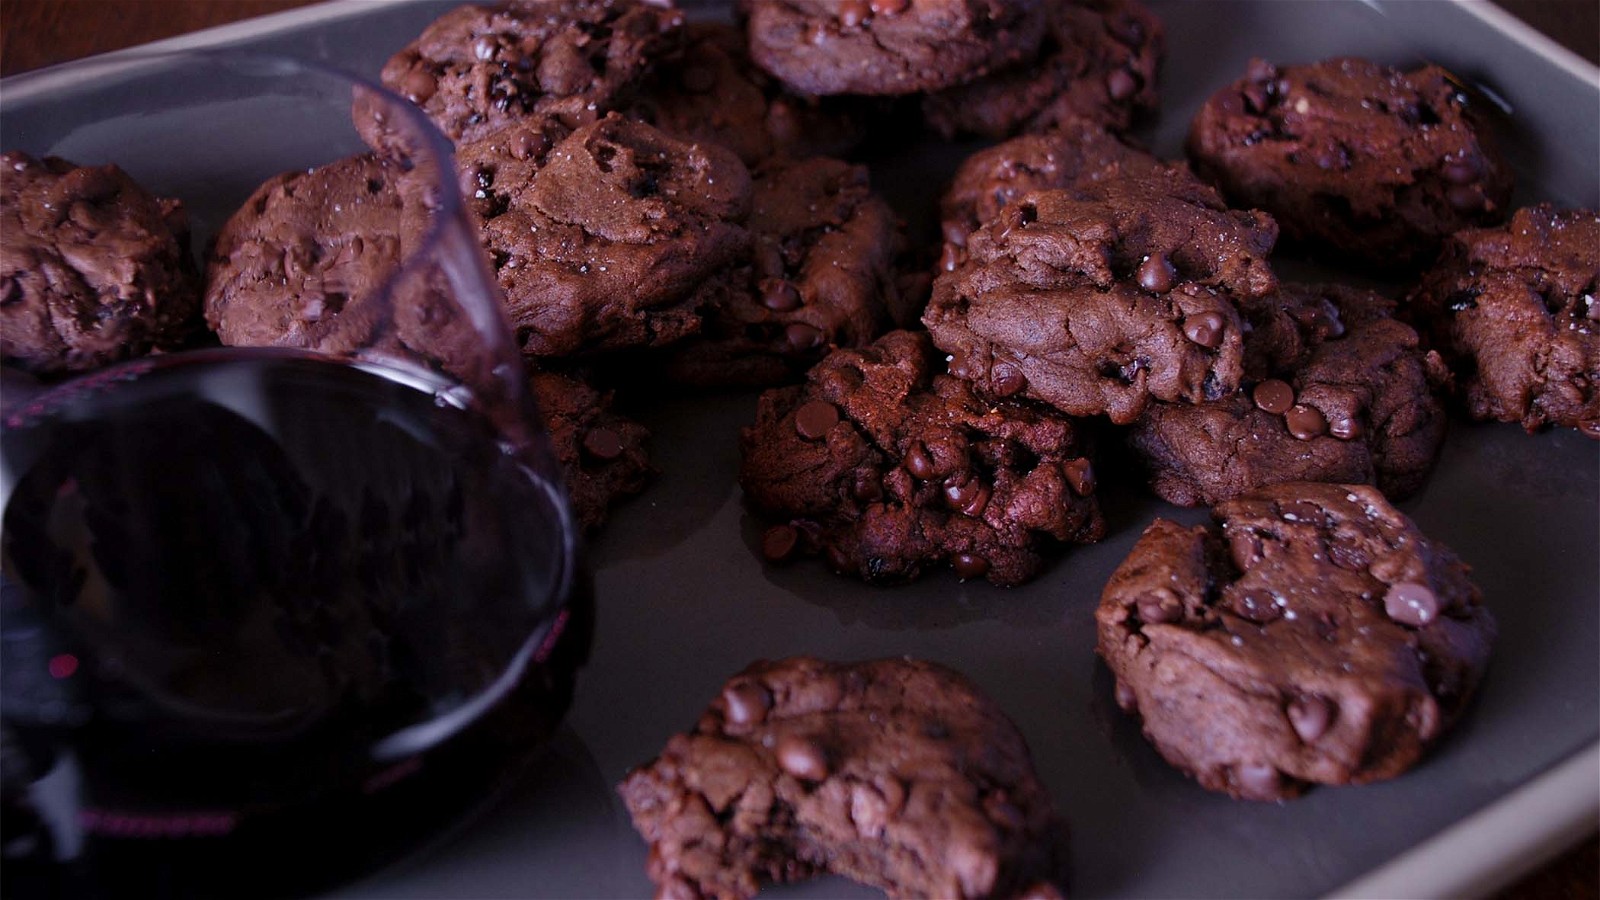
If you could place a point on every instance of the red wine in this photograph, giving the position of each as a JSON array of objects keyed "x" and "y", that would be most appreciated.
[{"x": 278, "y": 617}]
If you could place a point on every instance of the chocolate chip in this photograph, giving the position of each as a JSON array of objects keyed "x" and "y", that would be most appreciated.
[
  {"x": 968, "y": 566},
  {"x": 978, "y": 504},
  {"x": 1346, "y": 428},
  {"x": 867, "y": 487},
  {"x": 1305, "y": 422},
  {"x": 853, "y": 12},
  {"x": 1008, "y": 379},
  {"x": 418, "y": 86},
  {"x": 1080, "y": 476},
  {"x": 918, "y": 463},
  {"x": 951, "y": 257},
  {"x": 779, "y": 542},
  {"x": 1159, "y": 608},
  {"x": 527, "y": 144},
  {"x": 890, "y": 7},
  {"x": 1310, "y": 715},
  {"x": 964, "y": 494},
  {"x": 815, "y": 419},
  {"x": 1156, "y": 274},
  {"x": 1464, "y": 170},
  {"x": 1122, "y": 84},
  {"x": 1126, "y": 698},
  {"x": 779, "y": 295},
  {"x": 961, "y": 366},
  {"x": 801, "y": 336},
  {"x": 802, "y": 758},
  {"x": 1257, "y": 605},
  {"x": 1205, "y": 329},
  {"x": 747, "y": 702},
  {"x": 1273, "y": 396},
  {"x": 1410, "y": 603},
  {"x": 1256, "y": 779},
  {"x": 603, "y": 443}
]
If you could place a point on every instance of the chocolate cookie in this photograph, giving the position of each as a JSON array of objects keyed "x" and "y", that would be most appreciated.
[
  {"x": 478, "y": 68},
  {"x": 1078, "y": 151},
  {"x": 307, "y": 262},
  {"x": 888, "y": 467},
  {"x": 896, "y": 773},
  {"x": 1335, "y": 390},
  {"x": 821, "y": 275},
  {"x": 93, "y": 269},
  {"x": 600, "y": 242},
  {"x": 1102, "y": 297},
  {"x": 1516, "y": 310},
  {"x": 889, "y": 47},
  {"x": 1098, "y": 62},
  {"x": 1317, "y": 637},
  {"x": 714, "y": 93},
  {"x": 601, "y": 453},
  {"x": 1375, "y": 164},
  {"x": 299, "y": 264}
]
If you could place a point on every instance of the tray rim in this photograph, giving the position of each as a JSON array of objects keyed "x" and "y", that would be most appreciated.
[
  {"x": 1491, "y": 848},
  {"x": 1471, "y": 858}
]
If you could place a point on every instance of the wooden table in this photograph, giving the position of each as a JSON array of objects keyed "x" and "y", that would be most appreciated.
[{"x": 35, "y": 33}]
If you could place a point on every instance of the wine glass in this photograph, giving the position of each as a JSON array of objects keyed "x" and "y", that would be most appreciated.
[{"x": 273, "y": 613}]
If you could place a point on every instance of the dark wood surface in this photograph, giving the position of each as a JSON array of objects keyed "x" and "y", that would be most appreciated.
[{"x": 36, "y": 33}]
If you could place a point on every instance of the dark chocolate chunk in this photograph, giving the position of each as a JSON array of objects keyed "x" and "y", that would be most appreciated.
[{"x": 815, "y": 419}]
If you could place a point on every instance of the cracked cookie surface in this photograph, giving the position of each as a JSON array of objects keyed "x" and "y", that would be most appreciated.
[
  {"x": 1335, "y": 390},
  {"x": 1516, "y": 311},
  {"x": 93, "y": 268},
  {"x": 888, "y": 467},
  {"x": 1104, "y": 296},
  {"x": 889, "y": 47},
  {"x": 897, "y": 773},
  {"x": 336, "y": 259},
  {"x": 821, "y": 274},
  {"x": 600, "y": 239},
  {"x": 1312, "y": 636},
  {"x": 1371, "y": 163},
  {"x": 1077, "y": 152},
  {"x": 1098, "y": 63},
  {"x": 477, "y": 69}
]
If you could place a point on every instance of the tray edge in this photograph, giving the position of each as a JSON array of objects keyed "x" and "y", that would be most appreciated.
[{"x": 1493, "y": 847}]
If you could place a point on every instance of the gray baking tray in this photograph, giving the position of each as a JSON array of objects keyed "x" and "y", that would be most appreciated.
[{"x": 684, "y": 602}]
